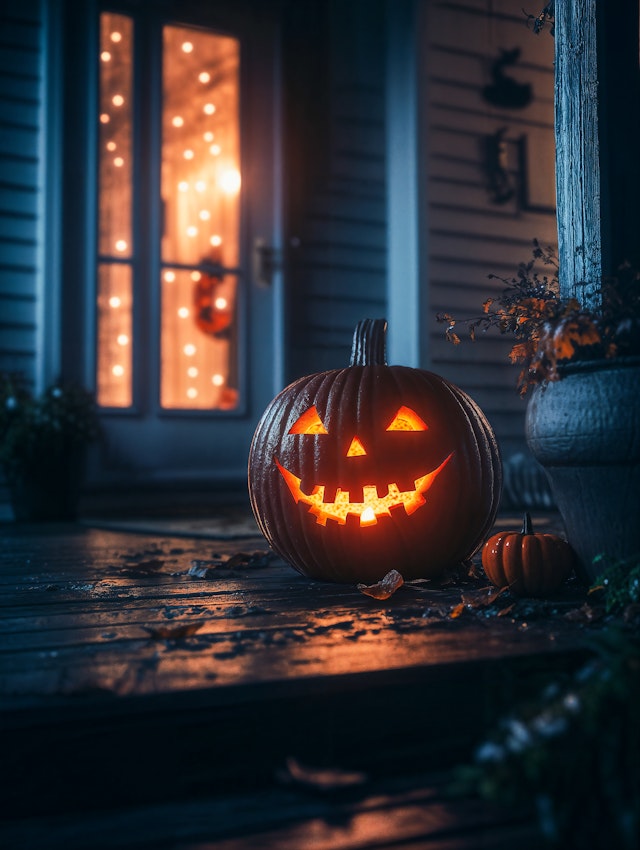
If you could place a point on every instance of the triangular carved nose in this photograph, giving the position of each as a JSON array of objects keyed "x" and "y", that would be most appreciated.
[{"x": 356, "y": 448}]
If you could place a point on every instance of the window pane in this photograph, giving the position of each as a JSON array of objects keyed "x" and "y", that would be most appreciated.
[
  {"x": 114, "y": 335},
  {"x": 115, "y": 136},
  {"x": 198, "y": 320},
  {"x": 115, "y": 240},
  {"x": 201, "y": 201}
]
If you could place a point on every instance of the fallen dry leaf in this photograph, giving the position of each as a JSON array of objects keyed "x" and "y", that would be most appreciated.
[
  {"x": 457, "y": 611},
  {"x": 483, "y": 598},
  {"x": 173, "y": 632},
  {"x": 384, "y": 588},
  {"x": 585, "y": 614},
  {"x": 504, "y": 612},
  {"x": 321, "y": 779},
  {"x": 221, "y": 566}
]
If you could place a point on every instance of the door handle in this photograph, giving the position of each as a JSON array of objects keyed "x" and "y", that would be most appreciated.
[{"x": 266, "y": 262}]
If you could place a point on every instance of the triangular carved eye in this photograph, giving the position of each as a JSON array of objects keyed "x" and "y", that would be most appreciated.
[
  {"x": 308, "y": 423},
  {"x": 407, "y": 420},
  {"x": 356, "y": 449}
]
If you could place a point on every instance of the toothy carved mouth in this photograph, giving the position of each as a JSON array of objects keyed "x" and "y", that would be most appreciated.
[{"x": 370, "y": 508}]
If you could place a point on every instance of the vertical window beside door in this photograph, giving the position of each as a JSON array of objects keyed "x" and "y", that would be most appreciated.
[{"x": 197, "y": 252}]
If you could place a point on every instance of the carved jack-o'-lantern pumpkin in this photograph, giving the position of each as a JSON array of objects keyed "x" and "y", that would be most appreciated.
[{"x": 356, "y": 471}]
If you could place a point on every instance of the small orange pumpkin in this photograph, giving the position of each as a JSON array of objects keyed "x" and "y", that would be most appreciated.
[{"x": 527, "y": 562}]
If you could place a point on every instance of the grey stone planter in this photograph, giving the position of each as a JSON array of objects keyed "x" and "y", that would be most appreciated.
[{"x": 585, "y": 431}]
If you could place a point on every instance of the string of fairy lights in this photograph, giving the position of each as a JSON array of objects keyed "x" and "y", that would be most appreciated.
[{"x": 200, "y": 185}]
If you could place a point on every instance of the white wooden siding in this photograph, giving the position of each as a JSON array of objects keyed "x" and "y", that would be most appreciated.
[
  {"x": 468, "y": 235},
  {"x": 20, "y": 190},
  {"x": 337, "y": 274}
]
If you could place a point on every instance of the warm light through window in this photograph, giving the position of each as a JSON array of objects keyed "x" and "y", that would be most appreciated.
[
  {"x": 115, "y": 279},
  {"x": 200, "y": 185},
  {"x": 200, "y": 191}
]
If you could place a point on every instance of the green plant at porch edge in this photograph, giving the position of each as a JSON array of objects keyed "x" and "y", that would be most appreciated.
[{"x": 35, "y": 431}]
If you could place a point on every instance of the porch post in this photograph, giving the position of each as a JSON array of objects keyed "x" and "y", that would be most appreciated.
[{"x": 597, "y": 125}]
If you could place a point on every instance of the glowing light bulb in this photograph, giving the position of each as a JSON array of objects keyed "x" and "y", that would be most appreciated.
[
  {"x": 104, "y": 118},
  {"x": 208, "y": 136},
  {"x": 114, "y": 301},
  {"x": 204, "y": 215},
  {"x": 189, "y": 349},
  {"x": 169, "y": 276},
  {"x": 117, "y": 100},
  {"x": 195, "y": 276},
  {"x": 209, "y": 108},
  {"x": 118, "y": 162},
  {"x": 192, "y": 392},
  {"x": 121, "y": 245},
  {"x": 214, "y": 150},
  {"x": 192, "y": 372},
  {"x": 123, "y": 339},
  {"x": 204, "y": 77},
  {"x": 229, "y": 181},
  {"x": 105, "y": 56},
  {"x": 111, "y": 146},
  {"x": 183, "y": 312},
  {"x": 188, "y": 154},
  {"x": 177, "y": 121},
  {"x": 215, "y": 240},
  {"x": 217, "y": 380},
  {"x": 192, "y": 230},
  {"x": 117, "y": 370},
  {"x": 183, "y": 186},
  {"x": 200, "y": 186},
  {"x": 116, "y": 37},
  {"x": 187, "y": 47},
  {"x": 220, "y": 302}
]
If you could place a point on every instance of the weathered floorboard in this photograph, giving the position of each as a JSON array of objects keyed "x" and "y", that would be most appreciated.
[{"x": 126, "y": 682}]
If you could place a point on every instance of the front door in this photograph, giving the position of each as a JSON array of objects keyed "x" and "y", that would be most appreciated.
[{"x": 180, "y": 328}]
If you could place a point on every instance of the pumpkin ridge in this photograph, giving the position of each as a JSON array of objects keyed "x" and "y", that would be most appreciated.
[{"x": 359, "y": 401}]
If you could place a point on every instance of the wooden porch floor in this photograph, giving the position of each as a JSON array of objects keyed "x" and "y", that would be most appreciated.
[{"x": 181, "y": 692}]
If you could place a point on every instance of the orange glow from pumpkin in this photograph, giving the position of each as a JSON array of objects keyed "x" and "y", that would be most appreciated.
[
  {"x": 356, "y": 449},
  {"x": 407, "y": 420},
  {"x": 308, "y": 423},
  {"x": 372, "y": 505}
]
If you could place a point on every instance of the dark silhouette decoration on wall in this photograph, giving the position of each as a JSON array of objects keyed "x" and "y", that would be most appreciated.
[
  {"x": 505, "y": 92},
  {"x": 496, "y": 164}
]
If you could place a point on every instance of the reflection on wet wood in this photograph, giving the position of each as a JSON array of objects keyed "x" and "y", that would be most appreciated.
[{"x": 136, "y": 669}]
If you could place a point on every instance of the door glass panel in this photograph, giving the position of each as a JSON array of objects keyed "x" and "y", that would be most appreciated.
[
  {"x": 201, "y": 221},
  {"x": 115, "y": 238},
  {"x": 114, "y": 335},
  {"x": 198, "y": 366}
]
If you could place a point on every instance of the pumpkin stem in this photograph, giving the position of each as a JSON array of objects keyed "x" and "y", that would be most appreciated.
[
  {"x": 527, "y": 525},
  {"x": 368, "y": 347}
]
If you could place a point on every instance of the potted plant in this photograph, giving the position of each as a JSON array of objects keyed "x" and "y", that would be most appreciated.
[
  {"x": 580, "y": 365},
  {"x": 43, "y": 441}
]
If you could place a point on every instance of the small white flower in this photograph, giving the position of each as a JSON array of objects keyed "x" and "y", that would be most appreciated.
[
  {"x": 572, "y": 703},
  {"x": 11, "y": 403},
  {"x": 548, "y": 726},
  {"x": 490, "y": 751},
  {"x": 519, "y": 736}
]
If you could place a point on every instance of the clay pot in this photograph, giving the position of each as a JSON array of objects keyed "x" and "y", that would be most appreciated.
[{"x": 585, "y": 432}]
